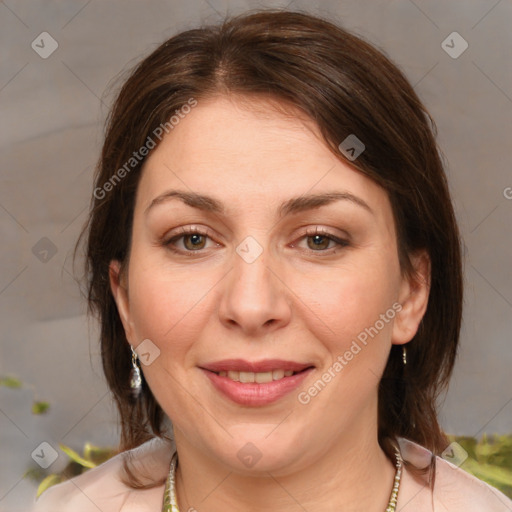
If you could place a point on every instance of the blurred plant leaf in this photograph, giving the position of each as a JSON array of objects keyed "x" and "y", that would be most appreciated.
[
  {"x": 47, "y": 482},
  {"x": 40, "y": 407},
  {"x": 76, "y": 457},
  {"x": 10, "y": 382},
  {"x": 35, "y": 474},
  {"x": 489, "y": 459},
  {"x": 98, "y": 454}
]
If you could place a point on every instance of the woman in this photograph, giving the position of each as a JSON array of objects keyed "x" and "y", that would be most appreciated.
[{"x": 275, "y": 262}]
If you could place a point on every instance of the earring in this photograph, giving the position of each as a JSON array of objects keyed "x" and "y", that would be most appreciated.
[
  {"x": 404, "y": 355},
  {"x": 135, "y": 376}
]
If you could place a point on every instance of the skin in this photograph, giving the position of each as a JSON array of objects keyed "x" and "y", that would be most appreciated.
[{"x": 293, "y": 302}]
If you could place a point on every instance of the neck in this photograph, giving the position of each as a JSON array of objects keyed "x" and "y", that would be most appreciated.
[{"x": 354, "y": 474}]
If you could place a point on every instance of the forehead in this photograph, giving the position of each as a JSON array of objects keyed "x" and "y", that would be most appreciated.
[
  {"x": 232, "y": 130},
  {"x": 245, "y": 150}
]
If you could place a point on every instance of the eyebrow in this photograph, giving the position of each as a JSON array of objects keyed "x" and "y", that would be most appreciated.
[{"x": 291, "y": 206}]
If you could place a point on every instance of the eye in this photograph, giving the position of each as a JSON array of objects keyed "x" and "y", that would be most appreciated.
[
  {"x": 318, "y": 240},
  {"x": 194, "y": 240}
]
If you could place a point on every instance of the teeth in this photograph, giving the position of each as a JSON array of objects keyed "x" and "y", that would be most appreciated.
[
  {"x": 277, "y": 374},
  {"x": 246, "y": 377},
  {"x": 258, "y": 377},
  {"x": 263, "y": 377}
]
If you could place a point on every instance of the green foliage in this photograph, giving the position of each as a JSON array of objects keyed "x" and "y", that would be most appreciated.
[
  {"x": 48, "y": 481},
  {"x": 489, "y": 459},
  {"x": 10, "y": 382},
  {"x": 38, "y": 407},
  {"x": 92, "y": 456},
  {"x": 83, "y": 461}
]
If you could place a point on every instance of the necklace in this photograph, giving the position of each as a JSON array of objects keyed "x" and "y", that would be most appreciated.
[{"x": 171, "y": 503}]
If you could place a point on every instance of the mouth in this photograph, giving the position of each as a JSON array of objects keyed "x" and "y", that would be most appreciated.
[
  {"x": 258, "y": 377},
  {"x": 256, "y": 383}
]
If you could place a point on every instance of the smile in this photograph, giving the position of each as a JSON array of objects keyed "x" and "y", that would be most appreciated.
[{"x": 257, "y": 383}]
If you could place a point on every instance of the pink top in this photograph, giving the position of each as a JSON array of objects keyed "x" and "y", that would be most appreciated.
[{"x": 101, "y": 488}]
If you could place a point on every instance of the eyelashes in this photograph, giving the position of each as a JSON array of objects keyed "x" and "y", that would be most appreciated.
[
  {"x": 320, "y": 233},
  {"x": 195, "y": 238},
  {"x": 187, "y": 233}
]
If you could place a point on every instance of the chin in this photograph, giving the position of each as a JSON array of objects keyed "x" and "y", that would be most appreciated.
[{"x": 254, "y": 449}]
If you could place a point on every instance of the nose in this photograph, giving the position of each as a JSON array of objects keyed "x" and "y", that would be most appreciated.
[{"x": 255, "y": 298}]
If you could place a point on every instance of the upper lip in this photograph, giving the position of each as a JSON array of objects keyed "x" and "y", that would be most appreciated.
[{"x": 265, "y": 365}]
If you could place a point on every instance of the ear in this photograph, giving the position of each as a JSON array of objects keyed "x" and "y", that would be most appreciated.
[
  {"x": 413, "y": 297},
  {"x": 119, "y": 289}
]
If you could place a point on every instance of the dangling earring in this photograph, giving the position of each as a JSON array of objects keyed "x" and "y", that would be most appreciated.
[
  {"x": 135, "y": 376},
  {"x": 404, "y": 355}
]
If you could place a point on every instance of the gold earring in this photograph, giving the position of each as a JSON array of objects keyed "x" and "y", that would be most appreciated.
[{"x": 404, "y": 355}]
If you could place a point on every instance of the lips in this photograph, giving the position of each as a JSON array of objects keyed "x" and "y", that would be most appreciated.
[
  {"x": 256, "y": 383},
  {"x": 267, "y": 365}
]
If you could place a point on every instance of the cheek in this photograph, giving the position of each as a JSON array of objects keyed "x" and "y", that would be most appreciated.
[
  {"x": 341, "y": 304},
  {"x": 352, "y": 318},
  {"x": 169, "y": 305},
  {"x": 170, "y": 309}
]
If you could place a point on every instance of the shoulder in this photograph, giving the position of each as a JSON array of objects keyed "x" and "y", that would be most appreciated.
[
  {"x": 102, "y": 488},
  {"x": 455, "y": 490}
]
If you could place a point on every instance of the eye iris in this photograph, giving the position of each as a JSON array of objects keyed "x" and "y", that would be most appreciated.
[
  {"x": 317, "y": 241},
  {"x": 195, "y": 237}
]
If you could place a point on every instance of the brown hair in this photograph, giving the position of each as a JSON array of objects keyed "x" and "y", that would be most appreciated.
[{"x": 346, "y": 86}]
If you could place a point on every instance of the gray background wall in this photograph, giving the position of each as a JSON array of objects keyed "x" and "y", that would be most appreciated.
[{"x": 52, "y": 112}]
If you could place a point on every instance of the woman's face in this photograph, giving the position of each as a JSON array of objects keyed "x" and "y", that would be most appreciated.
[{"x": 274, "y": 282}]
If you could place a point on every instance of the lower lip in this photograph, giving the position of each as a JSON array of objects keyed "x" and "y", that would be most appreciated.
[{"x": 254, "y": 394}]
